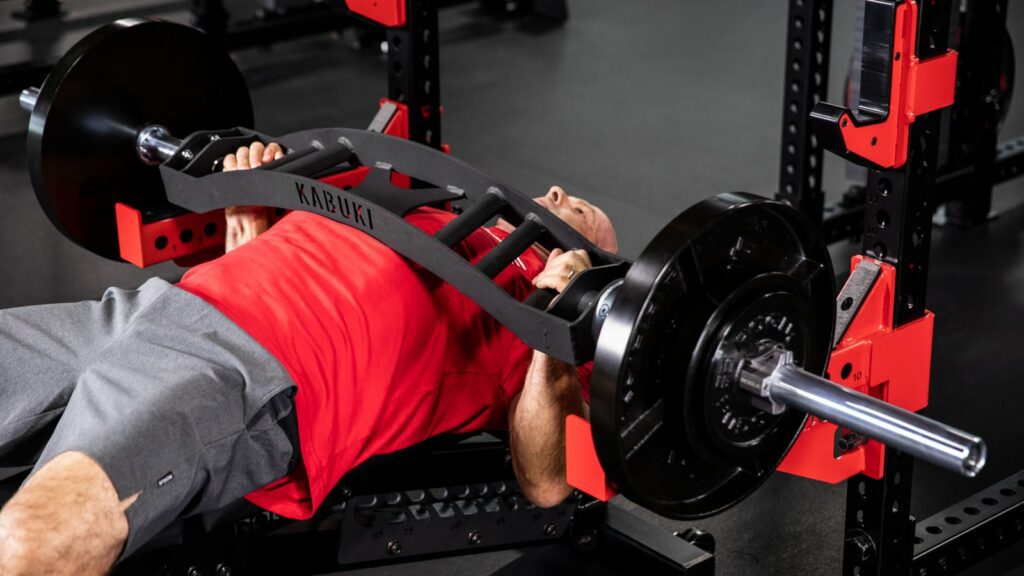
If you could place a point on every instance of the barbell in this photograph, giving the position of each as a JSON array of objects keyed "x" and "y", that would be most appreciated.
[{"x": 708, "y": 350}]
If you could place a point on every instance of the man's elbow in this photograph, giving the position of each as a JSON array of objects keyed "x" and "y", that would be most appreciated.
[{"x": 547, "y": 494}]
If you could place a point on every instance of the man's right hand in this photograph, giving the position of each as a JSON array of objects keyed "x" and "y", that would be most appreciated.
[{"x": 247, "y": 222}]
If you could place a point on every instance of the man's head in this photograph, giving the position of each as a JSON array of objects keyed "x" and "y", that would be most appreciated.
[{"x": 587, "y": 219}]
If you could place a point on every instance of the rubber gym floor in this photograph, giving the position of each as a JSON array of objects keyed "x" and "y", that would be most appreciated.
[{"x": 644, "y": 108}]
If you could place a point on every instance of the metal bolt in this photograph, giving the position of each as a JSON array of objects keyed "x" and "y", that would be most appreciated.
[
  {"x": 473, "y": 538},
  {"x": 194, "y": 571},
  {"x": 585, "y": 540},
  {"x": 214, "y": 137},
  {"x": 394, "y": 548},
  {"x": 860, "y": 547},
  {"x": 187, "y": 154},
  {"x": 550, "y": 530},
  {"x": 223, "y": 570}
]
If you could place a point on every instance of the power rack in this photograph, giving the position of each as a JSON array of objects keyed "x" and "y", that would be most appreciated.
[{"x": 892, "y": 216}]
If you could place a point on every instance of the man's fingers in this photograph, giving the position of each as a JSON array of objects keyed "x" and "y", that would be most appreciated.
[
  {"x": 243, "y": 158},
  {"x": 584, "y": 257},
  {"x": 230, "y": 163},
  {"x": 256, "y": 154},
  {"x": 273, "y": 152}
]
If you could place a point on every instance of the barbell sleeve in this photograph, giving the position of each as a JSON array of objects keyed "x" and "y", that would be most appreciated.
[{"x": 924, "y": 438}]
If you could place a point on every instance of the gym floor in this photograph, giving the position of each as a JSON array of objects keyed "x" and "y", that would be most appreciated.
[{"x": 644, "y": 108}]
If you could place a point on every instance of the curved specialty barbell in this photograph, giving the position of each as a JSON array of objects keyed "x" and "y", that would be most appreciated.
[{"x": 708, "y": 349}]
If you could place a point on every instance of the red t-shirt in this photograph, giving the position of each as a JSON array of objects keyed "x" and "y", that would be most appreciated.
[{"x": 383, "y": 354}]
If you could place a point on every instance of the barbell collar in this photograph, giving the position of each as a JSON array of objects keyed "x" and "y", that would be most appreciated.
[
  {"x": 155, "y": 144},
  {"x": 924, "y": 438}
]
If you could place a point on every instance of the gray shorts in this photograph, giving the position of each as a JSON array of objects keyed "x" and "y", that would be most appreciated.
[{"x": 168, "y": 395}]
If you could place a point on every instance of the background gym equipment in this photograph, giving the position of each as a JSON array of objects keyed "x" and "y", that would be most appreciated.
[
  {"x": 266, "y": 23},
  {"x": 892, "y": 216},
  {"x": 697, "y": 349}
]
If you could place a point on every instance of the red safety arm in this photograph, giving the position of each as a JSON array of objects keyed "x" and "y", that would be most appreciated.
[{"x": 390, "y": 13}]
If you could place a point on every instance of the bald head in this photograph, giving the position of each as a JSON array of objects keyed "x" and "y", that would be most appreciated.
[{"x": 587, "y": 219}]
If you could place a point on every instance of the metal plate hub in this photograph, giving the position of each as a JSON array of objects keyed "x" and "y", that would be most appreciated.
[
  {"x": 108, "y": 86},
  {"x": 729, "y": 277}
]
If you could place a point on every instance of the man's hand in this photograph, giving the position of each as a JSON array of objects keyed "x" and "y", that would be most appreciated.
[
  {"x": 247, "y": 222},
  {"x": 561, "y": 268}
]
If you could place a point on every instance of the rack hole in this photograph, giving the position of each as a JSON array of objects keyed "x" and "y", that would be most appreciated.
[
  {"x": 874, "y": 140},
  {"x": 897, "y": 57},
  {"x": 847, "y": 303},
  {"x": 210, "y": 229},
  {"x": 845, "y": 372},
  {"x": 1007, "y": 492},
  {"x": 933, "y": 530},
  {"x": 989, "y": 501},
  {"x": 953, "y": 520},
  {"x": 881, "y": 250},
  {"x": 161, "y": 242},
  {"x": 882, "y": 218},
  {"x": 971, "y": 511},
  {"x": 884, "y": 186}
]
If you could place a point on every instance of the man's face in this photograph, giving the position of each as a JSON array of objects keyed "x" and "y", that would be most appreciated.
[{"x": 587, "y": 219}]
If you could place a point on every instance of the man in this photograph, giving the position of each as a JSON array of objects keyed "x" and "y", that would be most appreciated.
[{"x": 267, "y": 373}]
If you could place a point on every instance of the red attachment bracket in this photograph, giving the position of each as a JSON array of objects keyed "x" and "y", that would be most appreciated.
[
  {"x": 916, "y": 87},
  {"x": 874, "y": 358},
  {"x": 390, "y": 13},
  {"x": 187, "y": 239}
]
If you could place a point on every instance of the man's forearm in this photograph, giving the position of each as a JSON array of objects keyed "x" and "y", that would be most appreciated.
[{"x": 537, "y": 428}]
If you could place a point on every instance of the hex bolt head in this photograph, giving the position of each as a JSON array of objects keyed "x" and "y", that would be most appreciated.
[
  {"x": 394, "y": 547},
  {"x": 550, "y": 530},
  {"x": 223, "y": 570},
  {"x": 860, "y": 547},
  {"x": 473, "y": 538}
]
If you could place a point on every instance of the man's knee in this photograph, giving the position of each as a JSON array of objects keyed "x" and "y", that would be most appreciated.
[{"x": 65, "y": 519}]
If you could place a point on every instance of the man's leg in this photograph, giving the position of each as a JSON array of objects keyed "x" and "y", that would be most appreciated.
[
  {"x": 43, "y": 350},
  {"x": 179, "y": 415}
]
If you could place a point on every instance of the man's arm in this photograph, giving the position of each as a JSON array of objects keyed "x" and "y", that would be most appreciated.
[{"x": 550, "y": 393}]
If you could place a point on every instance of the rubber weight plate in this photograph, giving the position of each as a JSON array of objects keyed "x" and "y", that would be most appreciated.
[
  {"x": 119, "y": 78},
  {"x": 726, "y": 279}
]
